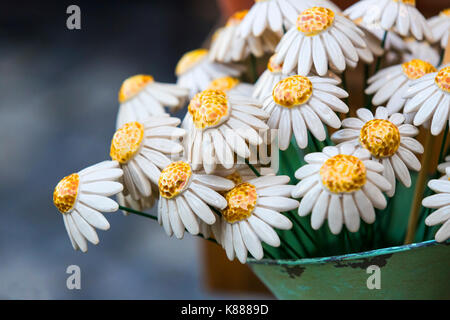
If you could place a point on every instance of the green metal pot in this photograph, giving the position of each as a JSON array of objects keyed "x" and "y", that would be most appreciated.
[{"x": 416, "y": 271}]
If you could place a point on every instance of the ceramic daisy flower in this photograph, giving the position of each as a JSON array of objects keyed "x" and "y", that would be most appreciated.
[
  {"x": 440, "y": 26},
  {"x": 340, "y": 184},
  {"x": 185, "y": 198},
  {"x": 441, "y": 202},
  {"x": 299, "y": 104},
  {"x": 221, "y": 126},
  {"x": 272, "y": 75},
  {"x": 228, "y": 46},
  {"x": 400, "y": 15},
  {"x": 141, "y": 97},
  {"x": 320, "y": 38},
  {"x": 142, "y": 149},
  {"x": 195, "y": 71},
  {"x": 275, "y": 14},
  {"x": 231, "y": 86},
  {"x": 388, "y": 139},
  {"x": 391, "y": 83},
  {"x": 429, "y": 96},
  {"x": 81, "y": 196},
  {"x": 252, "y": 212}
]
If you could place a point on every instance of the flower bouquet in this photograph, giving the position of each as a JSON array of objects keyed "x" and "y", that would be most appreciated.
[{"x": 275, "y": 166}]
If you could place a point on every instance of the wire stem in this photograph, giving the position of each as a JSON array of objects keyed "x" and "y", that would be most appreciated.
[{"x": 256, "y": 172}]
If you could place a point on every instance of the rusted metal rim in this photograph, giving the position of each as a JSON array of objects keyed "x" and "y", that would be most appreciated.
[{"x": 350, "y": 256}]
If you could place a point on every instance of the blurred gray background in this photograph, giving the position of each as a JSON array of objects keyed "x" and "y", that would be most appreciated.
[{"x": 58, "y": 103}]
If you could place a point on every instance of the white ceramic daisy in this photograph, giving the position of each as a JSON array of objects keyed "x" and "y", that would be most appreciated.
[
  {"x": 142, "y": 150},
  {"x": 320, "y": 38},
  {"x": 272, "y": 75},
  {"x": 340, "y": 184},
  {"x": 299, "y": 104},
  {"x": 185, "y": 198},
  {"x": 400, "y": 15},
  {"x": 252, "y": 211},
  {"x": 388, "y": 139},
  {"x": 81, "y": 196},
  {"x": 232, "y": 86},
  {"x": 228, "y": 46},
  {"x": 391, "y": 83},
  {"x": 429, "y": 96},
  {"x": 441, "y": 202},
  {"x": 141, "y": 97},
  {"x": 195, "y": 71},
  {"x": 275, "y": 14},
  {"x": 221, "y": 126},
  {"x": 440, "y": 26}
]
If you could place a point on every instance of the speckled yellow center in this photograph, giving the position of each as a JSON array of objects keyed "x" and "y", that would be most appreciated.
[
  {"x": 224, "y": 83},
  {"x": 292, "y": 91},
  {"x": 416, "y": 68},
  {"x": 380, "y": 137},
  {"x": 66, "y": 192},
  {"x": 241, "y": 202},
  {"x": 133, "y": 85},
  {"x": 314, "y": 20},
  {"x": 274, "y": 67},
  {"x": 443, "y": 79},
  {"x": 445, "y": 12},
  {"x": 174, "y": 179},
  {"x": 410, "y": 2},
  {"x": 126, "y": 142},
  {"x": 208, "y": 108},
  {"x": 236, "y": 18},
  {"x": 343, "y": 173},
  {"x": 190, "y": 59}
]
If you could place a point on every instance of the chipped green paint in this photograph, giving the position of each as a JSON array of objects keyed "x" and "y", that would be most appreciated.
[{"x": 415, "y": 271}]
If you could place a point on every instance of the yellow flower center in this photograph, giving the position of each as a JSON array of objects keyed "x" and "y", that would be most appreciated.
[
  {"x": 236, "y": 18},
  {"x": 174, "y": 179},
  {"x": 126, "y": 142},
  {"x": 314, "y": 20},
  {"x": 189, "y": 60},
  {"x": 410, "y": 2},
  {"x": 208, "y": 108},
  {"x": 224, "y": 84},
  {"x": 292, "y": 91},
  {"x": 445, "y": 12},
  {"x": 416, "y": 68},
  {"x": 66, "y": 192},
  {"x": 133, "y": 85},
  {"x": 274, "y": 67},
  {"x": 380, "y": 137},
  {"x": 443, "y": 79},
  {"x": 241, "y": 202},
  {"x": 343, "y": 173}
]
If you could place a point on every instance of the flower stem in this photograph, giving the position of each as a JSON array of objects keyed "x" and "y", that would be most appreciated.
[
  {"x": 146, "y": 215},
  {"x": 139, "y": 213},
  {"x": 256, "y": 172},
  {"x": 253, "y": 67},
  {"x": 383, "y": 43}
]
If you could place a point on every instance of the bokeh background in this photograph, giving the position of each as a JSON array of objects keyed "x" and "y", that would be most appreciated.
[{"x": 58, "y": 103}]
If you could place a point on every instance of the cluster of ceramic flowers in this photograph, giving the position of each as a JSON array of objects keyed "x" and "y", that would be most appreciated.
[{"x": 209, "y": 173}]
